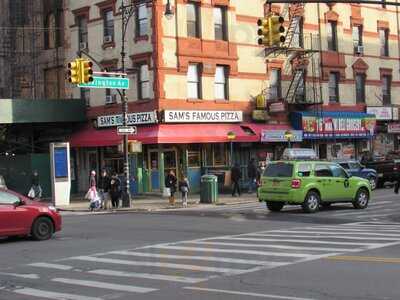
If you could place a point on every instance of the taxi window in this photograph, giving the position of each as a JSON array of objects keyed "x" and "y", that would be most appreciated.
[
  {"x": 279, "y": 170},
  {"x": 338, "y": 171},
  {"x": 304, "y": 170},
  {"x": 323, "y": 171}
]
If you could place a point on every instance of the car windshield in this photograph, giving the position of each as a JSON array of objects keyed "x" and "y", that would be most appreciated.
[
  {"x": 344, "y": 165},
  {"x": 279, "y": 170}
]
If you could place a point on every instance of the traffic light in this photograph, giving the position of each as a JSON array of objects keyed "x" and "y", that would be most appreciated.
[
  {"x": 86, "y": 71},
  {"x": 74, "y": 74},
  {"x": 276, "y": 30},
  {"x": 263, "y": 32}
]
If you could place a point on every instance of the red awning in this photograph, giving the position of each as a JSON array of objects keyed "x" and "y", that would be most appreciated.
[{"x": 165, "y": 134}]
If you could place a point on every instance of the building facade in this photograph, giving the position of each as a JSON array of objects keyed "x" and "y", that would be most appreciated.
[{"x": 196, "y": 77}]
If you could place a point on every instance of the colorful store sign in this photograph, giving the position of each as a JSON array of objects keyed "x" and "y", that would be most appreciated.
[
  {"x": 394, "y": 128},
  {"x": 202, "y": 116},
  {"x": 149, "y": 117},
  {"x": 279, "y": 136},
  {"x": 381, "y": 112}
]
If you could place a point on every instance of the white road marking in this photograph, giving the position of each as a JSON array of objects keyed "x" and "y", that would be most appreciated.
[
  {"x": 257, "y": 295},
  {"x": 329, "y": 236},
  {"x": 206, "y": 258},
  {"x": 353, "y": 229},
  {"x": 337, "y": 232},
  {"x": 373, "y": 226},
  {"x": 149, "y": 276},
  {"x": 363, "y": 212},
  {"x": 380, "y": 203},
  {"x": 51, "y": 266},
  {"x": 27, "y": 276},
  {"x": 275, "y": 246},
  {"x": 105, "y": 285},
  {"x": 301, "y": 241},
  {"x": 377, "y": 215},
  {"x": 157, "y": 264},
  {"x": 253, "y": 252},
  {"x": 50, "y": 295}
]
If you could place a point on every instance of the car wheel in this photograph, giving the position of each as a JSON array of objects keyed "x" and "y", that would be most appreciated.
[
  {"x": 373, "y": 181},
  {"x": 275, "y": 206},
  {"x": 42, "y": 229},
  {"x": 311, "y": 202},
  {"x": 362, "y": 199}
]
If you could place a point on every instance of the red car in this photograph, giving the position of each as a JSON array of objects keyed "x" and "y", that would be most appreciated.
[{"x": 21, "y": 216}]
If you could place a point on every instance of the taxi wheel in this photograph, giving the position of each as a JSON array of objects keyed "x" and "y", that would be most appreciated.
[
  {"x": 42, "y": 229},
  {"x": 311, "y": 202},
  {"x": 275, "y": 206},
  {"x": 361, "y": 200},
  {"x": 373, "y": 181}
]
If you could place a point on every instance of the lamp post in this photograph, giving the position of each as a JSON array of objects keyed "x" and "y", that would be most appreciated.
[
  {"x": 127, "y": 11},
  {"x": 288, "y": 137},
  {"x": 231, "y": 136}
]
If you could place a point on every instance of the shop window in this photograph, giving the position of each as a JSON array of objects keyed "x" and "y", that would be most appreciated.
[
  {"x": 360, "y": 88},
  {"x": 193, "y": 82},
  {"x": 193, "y": 20},
  {"x": 220, "y": 23},
  {"x": 142, "y": 21},
  {"x": 384, "y": 41},
  {"x": 333, "y": 87},
  {"x": 332, "y": 35},
  {"x": 194, "y": 156},
  {"x": 113, "y": 160},
  {"x": 216, "y": 155},
  {"x": 221, "y": 83}
]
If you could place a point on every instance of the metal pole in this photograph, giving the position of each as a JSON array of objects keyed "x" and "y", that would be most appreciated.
[{"x": 231, "y": 153}]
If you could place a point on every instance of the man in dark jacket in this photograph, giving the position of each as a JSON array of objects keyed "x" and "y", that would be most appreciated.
[
  {"x": 104, "y": 185},
  {"x": 236, "y": 175},
  {"x": 252, "y": 174}
]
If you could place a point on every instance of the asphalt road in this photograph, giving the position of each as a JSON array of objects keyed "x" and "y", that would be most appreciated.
[{"x": 227, "y": 252}]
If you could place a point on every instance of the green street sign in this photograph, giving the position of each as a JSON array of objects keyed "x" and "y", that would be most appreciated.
[{"x": 100, "y": 82}]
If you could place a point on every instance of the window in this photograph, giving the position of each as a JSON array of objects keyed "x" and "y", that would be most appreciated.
[
  {"x": 332, "y": 35},
  {"x": 345, "y": 165},
  {"x": 194, "y": 156},
  {"x": 357, "y": 38},
  {"x": 333, "y": 87},
  {"x": 323, "y": 171},
  {"x": 108, "y": 22},
  {"x": 85, "y": 95},
  {"x": 300, "y": 94},
  {"x": 338, "y": 171},
  {"x": 144, "y": 82},
  {"x": 298, "y": 40},
  {"x": 386, "y": 86},
  {"x": 216, "y": 154},
  {"x": 304, "y": 170},
  {"x": 279, "y": 170},
  {"x": 193, "y": 24},
  {"x": 193, "y": 82},
  {"x": 220, "y": 23},
  {"x": 7, "y": 198},
  {"x": 221, "y": 83},
  {"x": 384, "y": 41},
  {"x": 360, "y": 88},
  {"x": 111, "y": 96},
  {"x": 82, "y": 32},
  {"x": 142, "y": 21},
  {"x": 275, "y": 89},
  {"x": 51, "y": 31}
]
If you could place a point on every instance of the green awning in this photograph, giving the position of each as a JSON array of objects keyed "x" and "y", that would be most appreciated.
[{"x": 19, "y": 111}]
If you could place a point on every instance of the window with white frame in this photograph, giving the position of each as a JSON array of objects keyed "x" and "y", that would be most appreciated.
[
  {"x": 221, "y": 83},
  {"x": 357, "y": 37},
  {"x": 193, "y": 22},
  {"x": 193, "y": 82},
  {"x": 144, "y": 81},
  {"x": 220, "y": 23},
  {"x": 108, "y": 21},
  {"x": 142, "y": 21}
]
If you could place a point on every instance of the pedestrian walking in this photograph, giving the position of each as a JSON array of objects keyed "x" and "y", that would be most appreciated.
[
  {"x": 92, "y": 194},
  {"x": 236, "y": 175},
  {"x": 170, "y": 183},
  {"x": 35, "y": 190},
  {"x": 104, "y": 185},
  {"x": 92, "y": 179},
  {"x": 184, "y": 188},
  {"x": 252, "y": 174},
  {"x": 115, "y": 190}
]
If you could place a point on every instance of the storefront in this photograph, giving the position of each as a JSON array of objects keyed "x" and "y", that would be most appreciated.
[
  {"x": 190, "y": 143},
  {"x": 335, "y": 134},
  {"x": 386, "y": 136}
]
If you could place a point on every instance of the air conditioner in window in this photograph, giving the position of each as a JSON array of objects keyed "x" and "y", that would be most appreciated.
[
  {"x": 110, "y": 99},
  {"x": 82, "y": 45},
  {"x": 108, "y": 39},
  {"x": 360, "y": 49}
]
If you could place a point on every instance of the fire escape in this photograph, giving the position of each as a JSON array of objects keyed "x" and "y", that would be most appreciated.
[{"x": 300, "y": 53}]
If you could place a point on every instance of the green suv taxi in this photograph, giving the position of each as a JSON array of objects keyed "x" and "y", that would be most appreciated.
[{"x": 311, "y": 184}]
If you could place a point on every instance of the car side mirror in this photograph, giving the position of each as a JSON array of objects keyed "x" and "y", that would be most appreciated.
[{"x": 19, "y": 203}]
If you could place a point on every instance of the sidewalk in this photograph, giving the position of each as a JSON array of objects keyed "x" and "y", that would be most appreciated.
[{"x": 154, "y": 202}]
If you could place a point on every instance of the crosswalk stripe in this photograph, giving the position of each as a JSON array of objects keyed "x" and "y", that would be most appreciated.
[
  {"x": 330, "y": 236},
  {"x": 206, "y": 258},
  {"x": 105, "y": 285},
  {"x": 302, "y": 241},
  {"x": 157, "y": 264},
  {"x": 375, "y": 216},
  {"x": 49, "y": 295},
  {"x": 379, "y": 203},
  {"x": 358, "y": 229},
  {"x": 337, "y": 232},
  {"x": 149, "y": 276},
  {"x": 253, "y": 252},
  {"x": 51, "y": 266},
  {"x": 363, "y": 212},
  {"x": 274, "y": 246},
  {"x": 374, "y": 226}
]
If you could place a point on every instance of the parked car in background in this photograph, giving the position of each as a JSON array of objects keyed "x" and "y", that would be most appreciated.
[
  {"x": 387, "y": 170},
  {"x": 355, "y": 168},
  {"x": 311, "y": 184},
  {"x": 20, "y": 216},
  {"x": 2, "y": 183}
]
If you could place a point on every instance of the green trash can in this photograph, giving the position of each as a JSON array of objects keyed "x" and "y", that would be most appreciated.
[{"x": 208, "y": 189}]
